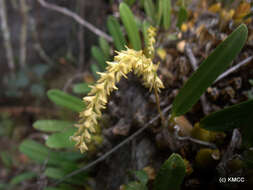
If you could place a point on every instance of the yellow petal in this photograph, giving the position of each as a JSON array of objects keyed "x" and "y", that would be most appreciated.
[{"x": 83, "y": 147}]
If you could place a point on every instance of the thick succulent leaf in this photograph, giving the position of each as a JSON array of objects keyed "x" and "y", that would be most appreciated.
[
  {"x": 166, "y": 5},
  {"x": 103, "y": 44},
  {"x": 171, "y": 174},
  {"x": 182, "y": 16},
  {"x": 59, "y": 173},
  {"x": 248, "y": 158},
  {"x": 149, "y": 8},
  {"x": 34, "y": 150},
  {"x": 52, "y": 125},
  {"x": 251, "y": 81},
  {"x": 142, "y": 176},
  {"x": 94, "y": 69},
  {"x": 61, "y": 187},
  {"x": 81, "y": 88},
  {"x": 159, "y": 12},
  {"x": 6, "y": 159},
  {"x": 129, "y": 22},
  {"x": 236, "y": 116},
  {"x": 53, "y": 188},
  {"x": 5, "y": 186},
  {"x": 39, "y": 153},
  {"x": 129, "y": 2},
  {"x": 116, "y": 33},
  {"x": 98, "y": 55},
  {"x": 135, "y": 186},
  {"x": 22, "y": 177},
  {"x": 209, "y": 70},
  {"x": 61, "y": 140},
  {"x": 63, "y": 99}
]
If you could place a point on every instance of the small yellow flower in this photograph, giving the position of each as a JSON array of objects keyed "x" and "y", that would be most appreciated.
[
  {"x": 83, "y": 147},
  {"x": 124, "y": 62}
]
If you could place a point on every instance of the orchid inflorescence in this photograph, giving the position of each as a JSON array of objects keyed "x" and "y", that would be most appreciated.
[{"x": 124, "y": 62}]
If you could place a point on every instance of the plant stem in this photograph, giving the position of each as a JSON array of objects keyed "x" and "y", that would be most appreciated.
[
  {"x": 23, "y": 33},
  {"x": 77, "y": 18},
  {"x": 6, "y": 37},
  {"x": 158, "y": 107}
]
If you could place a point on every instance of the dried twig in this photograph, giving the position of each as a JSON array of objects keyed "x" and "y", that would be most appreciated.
[
  {"x": 228, "y": 155},
  {"x": 81, "y": 5},
  {"x": 191, "y": 57},
  {"x": 71, "y": 80},
  {"x": 93, "y": 163},
  {"x": 189, "y": 138},
  {"x": 193, "y": 62},
  {"x": 6, "y": 36},
  {"x": 37, "y": 45},
  {"x": 77, "y": 18},
  {"x": 234, "y": 68},
  {"x": 42, "y": 179},
  {"x": 23, "y": 33}
]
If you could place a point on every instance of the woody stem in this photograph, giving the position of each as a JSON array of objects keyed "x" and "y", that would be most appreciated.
[{"x": 158, "y": 107}]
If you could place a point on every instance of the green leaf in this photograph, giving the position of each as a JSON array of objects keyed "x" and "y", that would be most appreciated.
[
  {"x": 61, "y": 187},
  {"x": 6, "y": 159},
  {"x": 57, "y": 173},
  {"x": 250, "y": 95},
  {"x": 251, "y": 81},
  {"x": 149, "y": 8},
  {"x": 160, "y": 12},
  {"x": 81, "y": 88},
  {"x": 229, "y": 118},
  {"x": 52, "y": 125},
  {"x": 182, "y": 16},
  {"x": 98, "y": 55},
  {"x": 166, "y": 5},
  {"x": 37, "y": 90},
  {"x": 34, "y": 150},
  {"x": 248, "y": 158},
  {"x": 69, "y": 156},
  {"x": 136, "y": 186},
  {"x": 129, "y": 2},
  {"x": 171, "y": 174},
  {"x": 22, "y": 177},
  {"x": 21, "y": 80},
  {"x": 247, "y": 133},
  {"x": 65, "y": 100},
  {"x": 39, "y": 153},
  {"x": 209, "y": 70},
  {"x": 142, "y": 176},
  {"x": 129, "y": 22},
  {"x": 4, "y": 186},
  {"x": 61, "y": 140},
  {"x": 103, "y": 44},
  {"x": 141, "y": 3},
  {"x": 237, "y": 116},
  {"x": 116, "y": 33},
  {"x": 94, "y": 70},
  {"x": 52, "y": 188},
  {"x": 40, "y": 70}
]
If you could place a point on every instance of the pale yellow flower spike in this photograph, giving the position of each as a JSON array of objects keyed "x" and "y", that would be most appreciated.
[
  {"x": 124, "y": 62},
  {"x": 151, "y": 41}
]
